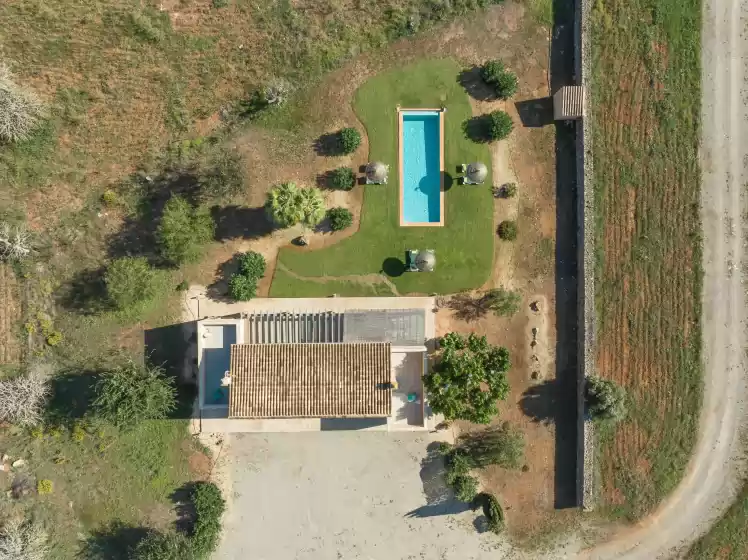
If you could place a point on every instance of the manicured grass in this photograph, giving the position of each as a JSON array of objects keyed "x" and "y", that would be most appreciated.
[
  {"x": 645, "y": 114},
  {"x": 728, "y": 539},
  {"x": 285, "y": 285},
  {"x": 464, "y": 246}
]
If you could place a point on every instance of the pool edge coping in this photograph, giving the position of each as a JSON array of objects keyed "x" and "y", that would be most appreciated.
[{"x": 442, "y": 207}]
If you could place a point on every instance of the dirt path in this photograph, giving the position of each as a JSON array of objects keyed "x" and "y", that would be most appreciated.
[{"x": 709, "y": 483}]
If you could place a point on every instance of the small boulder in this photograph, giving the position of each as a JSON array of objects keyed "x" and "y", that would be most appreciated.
[{"x": 18, "y": 463}]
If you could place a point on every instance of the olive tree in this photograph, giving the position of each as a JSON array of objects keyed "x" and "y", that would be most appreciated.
[
  {"x": 495, "y": 74},
  {"x": 605, "y": 399},
  {"x": 184, "y": 231},
  {"x": 131, "y": 283},
  {"x": 468, "y": 379}
]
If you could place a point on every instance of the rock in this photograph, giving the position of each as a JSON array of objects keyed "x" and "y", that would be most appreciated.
[
  {"x": 5, "y": 458},
  {"x": 18, "y": 463}
]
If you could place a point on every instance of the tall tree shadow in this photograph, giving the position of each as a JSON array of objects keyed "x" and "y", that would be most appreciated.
[
  {"x": 116, "y": 541},
  {"x": 540, "y": 402},
  {"x": 233, "y": 222},
  {"x": 85, "y": 293},
  {"x": 440, "y": 500},
  {"x": 471, "y": 80},
  {"x": 478, "y": 129},
  {"x": 71, "y": 395},
  {"x": 535, "y": 113}
]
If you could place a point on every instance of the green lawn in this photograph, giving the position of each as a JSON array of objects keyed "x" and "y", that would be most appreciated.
[
  {"x": 464, "y": 246},
  {"x": 285, "y": 285}
]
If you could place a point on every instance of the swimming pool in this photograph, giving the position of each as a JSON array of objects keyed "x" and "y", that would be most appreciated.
[
  {"x": 216, "y": 341},
  {"x": 421, "y": 155}
]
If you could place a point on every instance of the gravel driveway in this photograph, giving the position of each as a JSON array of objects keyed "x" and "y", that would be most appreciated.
[{"x": 343, "y": 495}]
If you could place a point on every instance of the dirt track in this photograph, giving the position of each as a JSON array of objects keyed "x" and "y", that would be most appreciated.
[{"x": 709, "y": 483}]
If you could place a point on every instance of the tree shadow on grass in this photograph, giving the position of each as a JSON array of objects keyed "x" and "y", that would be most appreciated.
[
  {"x": 184, "y": 507},
  {"x": 85, "y": 293},
  {"x": 233, "y": 222},
  {"x": 471, "y": 80},
  {"x": 393, "y": 267},
  {"x": 168, "y": 347},
  {"x": 72, "y": 394},
  {"x": 116, "y": 541},
  {"x": 478, "y": 129},
  {"x": 328, "y": 145}
]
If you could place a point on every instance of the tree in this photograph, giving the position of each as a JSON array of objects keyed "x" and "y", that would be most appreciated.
[
  {"x": 184, "y": 231},
  {"x": 498, "y": 445},
  {"x": 493, "y": 511},
  {"x": 342, "y": 178},
  {"x": 209, "y": 507},
  {"x": 469, "y": 378},
  {"x": 504, "y": 82},
  {"x": 132, "y": 393},
  {"x": 500, "y": 125},
  {"x": 502, "y": 302},
  {"x": 242, "y": 287},
  {"x": 131, "y": 282},
  {"x": 22, "y": 540},
  {"x": 282, "y": 205},
  {"x": 20, "y": 110},
  {"x": 163, "y": 546},
  {"x": 23, "y": 399},
  {"x": 15, "y": 242},
  {"x": 222, "y": 176},
  {"x": 311, "y": 206},
  {"x": 349, "y": 139},
  {"x": 507, "y": 230},
  {"x": 252, "y": 264},
  {"x": 340, "y": 218},
  {"x": 605, "y": 399}
]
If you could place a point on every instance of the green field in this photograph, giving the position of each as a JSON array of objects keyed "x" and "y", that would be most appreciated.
[
  {"x": 464, "y": 246},
  {"x": 728, "y": 539}
]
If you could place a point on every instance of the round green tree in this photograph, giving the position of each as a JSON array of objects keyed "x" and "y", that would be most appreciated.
[
  {"x": 605, "y": 399},
  {"x": 184, "y": 231},
  {"x": 507, "y": 230},
  {"x": 342, "y": 178},
  {"x": 282, "y": 205},
  {"x": 311, "y": 206},
  {"x": 500, "y": 125},
  {"x": 468, "y": 379},
  {"x": 131, "y": 282},
  {"x": 242, "y": 287},
  {"x": 252, "y": 264},
  {"x": 349, "y": 139},
  {"x": 340, "y": 218},
  {"x": 131, "y": 393},
  {"x": 503, "y": 82}
]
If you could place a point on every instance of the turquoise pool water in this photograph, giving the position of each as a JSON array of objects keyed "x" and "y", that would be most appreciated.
[
  {"x": 421, "y": 167},
  {"x": 216, "y": 360}
]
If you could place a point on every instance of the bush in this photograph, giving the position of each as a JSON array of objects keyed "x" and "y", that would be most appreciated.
[
  {"x": 44, "y": 486},
  {"x": 342, "y": 178},
  {"x": 493, "y": 512},
  {"x": 465, "y": 488},
  {"x": 502, "y": 302},
  {"x": 131, "y": 394},
  {"x": 349, "y": 139},
  {"x": 242, "y": 288},
  {"x": 507, "y": 230},
  {"x": 209, "y": 507},
  {"x": 282, "y": 205},
  {"x": 23, "y": 399},
  {"x": 605, "y": 399},
  {"x": 509, "y": 190},
  {"x": 131, "y": 283},
  {"x": 184, "y": 231},
  {"x": 340, "y": 218},
  {"x": 252, "y": 264},
  {"x": 22, "y": 540},
  {"x": 53, "y": 338},
  {"x": 503, "y": 446},
  {"x": 163, "y": 546},
  {"x": 110, "y": 198},
  {"x": 222, "y": 176},
  {"x": 311, "y": 206},
  {"x": 500, "y": 125},
  {"x": 495, "y": 74},
  {"x": 20, "y": 110}
]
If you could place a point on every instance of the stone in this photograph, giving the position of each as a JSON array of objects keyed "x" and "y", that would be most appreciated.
[
  {"x": 5, "y": 458},
  {"x": 18, "y": 463}
]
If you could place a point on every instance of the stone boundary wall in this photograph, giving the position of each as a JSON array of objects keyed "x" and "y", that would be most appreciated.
[{"x": 586, "y": 469}]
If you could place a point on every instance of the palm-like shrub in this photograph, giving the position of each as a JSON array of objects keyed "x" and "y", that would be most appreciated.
[
  {"x": 132, "y": 393},
  {"x": 184, "y": 231},
  {"x": 606, "y": 400},
  {"x": 500, "y": 125},
  {"x": 131, "y": 283},
  {"x": 340, "y": 218},
  {"x": 20, "y": 110},
  {"x": 507, "y": 230},
  {"x": 342, "y": 178},
  {"x": 311, "y": 206},
  {"x": 495, "y": 74},
  {"x": 282, "y": 205},
  {"x": 349, "y": 140}
]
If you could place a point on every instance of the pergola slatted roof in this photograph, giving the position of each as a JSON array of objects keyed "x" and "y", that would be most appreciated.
[{"x": 318, "y": 380}]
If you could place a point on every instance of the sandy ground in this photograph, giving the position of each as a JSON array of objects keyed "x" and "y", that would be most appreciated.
[
  {"x": 710, "y": 481},
  {"x": 344, "y": 495}
]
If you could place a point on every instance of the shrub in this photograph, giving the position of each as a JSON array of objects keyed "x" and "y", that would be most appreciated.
[
  {"x": 509, "y": 190},
  {"x": 468, "y": 379},
  {"x": 23, "y": 399},
  {"x": 495, "y": 74},
  {"x": 507, "y": 230},
  {"x": 131, "y": 393},
  {"x": 44, "y": 486},
  {"x": 503, "y": 446},
  {"x": 605, "y": 399},
  {"x": 502, "y": 302},
  {"x": 465, "y": 488},
  {"x": 340, "y": 218},
  {"x": 78, "y": 433},
  {"x": 282, "y": 205},
  {"x": 20, "y": 109},
  {"x": 209, "y": 506},
  {"x": 311, "y": 206},
  {"x": 15, "y": 242},
  {"x": 131, "y": 283},
  {"x": 242, "y": 288},
  {"x": 252, "y": 264},
  {"x": 163, "y": 546},
  {"x": 184, "y": 231},
  {"x": 500, "y": 125},
  {"x": 22, "y": 540},
  {"x": 183, "y": 286},
  {"x": 342, "y": 178},
  {"x": 110, "y": 198},
  {"x": 220, "y": 3},
  {"x": 53, "y": 338},
  {"x": 222, "y": 176},
  {"x": 349, "y": 139},
  {"x": 493, "y": 512}
]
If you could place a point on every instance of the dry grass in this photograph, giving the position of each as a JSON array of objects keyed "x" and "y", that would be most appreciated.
[{"x": 646, "y": 112}]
